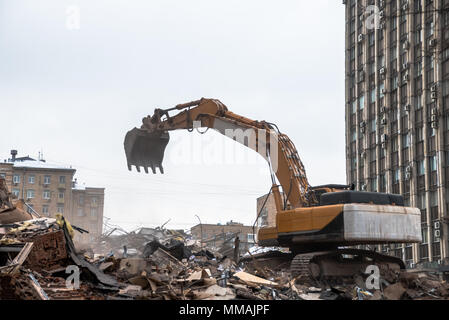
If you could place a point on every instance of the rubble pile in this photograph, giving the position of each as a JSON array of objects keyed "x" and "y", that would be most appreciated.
[{"x": 37, "y": 258}]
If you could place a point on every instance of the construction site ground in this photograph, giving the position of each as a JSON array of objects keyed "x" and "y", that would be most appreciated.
[{"x": 40, "y": 262}]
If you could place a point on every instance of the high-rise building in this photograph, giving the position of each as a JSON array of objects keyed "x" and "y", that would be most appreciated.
[
  {"x": 49, "y": 188},
  {"x": 397, "y": 111}
]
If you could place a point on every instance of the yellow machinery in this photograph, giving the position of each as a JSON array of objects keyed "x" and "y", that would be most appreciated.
[{"x": 308, "y": 220}]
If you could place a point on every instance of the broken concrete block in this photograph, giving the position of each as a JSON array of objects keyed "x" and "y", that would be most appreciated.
[
  {"x": 215, "y": 292},
  {"x": 133, "y": 265},
  {"x": 131, "y": 290},
  {"x": 105, "y": 266},
  {"x": 140, "y": 281},
  {"x": 377, "y": 295},
  {"x": 247, "y": 277},
  {"x": 310, "y": 296},
  {"x": 394, "y": 291}
]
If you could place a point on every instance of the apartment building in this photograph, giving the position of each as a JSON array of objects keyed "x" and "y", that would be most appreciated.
[
  {"x": 216, "y": 234},
  {"x": 87, "y": 211},
  {"x": 49, "y": 189},
  {"x": 266, "y": 211},
  {"x": 397, "y": 111}
]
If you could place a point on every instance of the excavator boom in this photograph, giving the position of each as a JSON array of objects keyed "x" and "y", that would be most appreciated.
[{"x": 145, "y": 146}]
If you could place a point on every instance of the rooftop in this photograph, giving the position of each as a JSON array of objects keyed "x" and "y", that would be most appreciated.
[{"x": 37, "y": 164}]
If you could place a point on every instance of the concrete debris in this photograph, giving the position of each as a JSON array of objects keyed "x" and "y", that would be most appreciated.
[{"x": 38, "y": 261}]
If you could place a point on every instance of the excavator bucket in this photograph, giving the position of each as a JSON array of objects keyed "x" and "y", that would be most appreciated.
[{"x": 144, "y": 149}]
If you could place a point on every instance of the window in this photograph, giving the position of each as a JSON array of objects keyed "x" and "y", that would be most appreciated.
[
  {"x": 382, "y": 61},
  {"x": 263, "y": 218},
  {"x": 394, "y": 144},
  {"x": 81, "y": 200},
  {"x": 354, "y": 107},
  {"x": 374, "y": 184},
  {"x": 418, "y": 102},
  {"x": 61, "y": 195},
  {"x": 45, "y": 210},
  {"x": 373, "y": 125},
  {"x": 30, "y": 208},
  {"x": 46, "y": 195},
  {"x": 419, "y": 134},
  {"x": 421, "y": 170},
  {"x": 62, "y": 179},
  {"x": 30, "y": 194},
  {"x": 421, "y": 201},
  {"x": 47, "y": 179},
  {"x": 16, "y": 192},
  {"x": 371, "y": 38},
  {"x": 361, "y": 102},
  {"x": 395, "y": 82},
  {"x": 393, "y": 53},
  {"x": 354, "y": 136},
  {"x": 93, "y": 212},
  {"x": 16, "y": 178},
  {"x": 396, "y": 176},
  {"x": 433, "y": 163},
  {"x": 94, "y": 200},
  {"x": 405, "y": 140},
  {"x": 373, "y": 95},
  {"x": 251, "y": 238},
  {"x": 80, "y": 212},
  {"x": 418, "y": 36},
  {"x": 60, "y": 209},
  {"x": 429, "y": 29},
  {"x": 425, "y": 235},
  {"x": 354, "y": 163},
  {"x": 433, "y": 198},
  {"x": 31, "y": 179}
]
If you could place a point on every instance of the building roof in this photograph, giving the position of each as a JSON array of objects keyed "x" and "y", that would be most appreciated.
[
  {"x": 79, "y": 187},
  {"x": 82, "y": 187},
  {"x": 24, "y": 159},
  {"x": 236, "y": 226},
  {"x": 40, "y": 165}
]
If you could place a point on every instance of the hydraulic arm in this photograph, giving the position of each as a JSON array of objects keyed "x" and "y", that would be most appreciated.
[{"x": 145, "y": 146}]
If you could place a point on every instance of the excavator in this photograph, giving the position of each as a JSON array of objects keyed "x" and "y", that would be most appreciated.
[{"x": 323, "y": 227}]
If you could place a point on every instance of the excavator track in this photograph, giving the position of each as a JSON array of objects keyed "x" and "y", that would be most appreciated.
[
  {"x": 299, "y": 266},
  {"x": 341, "y": 266}
]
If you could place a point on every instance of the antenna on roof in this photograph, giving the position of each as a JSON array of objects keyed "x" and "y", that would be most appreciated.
[{"x": 41, "y": 155}]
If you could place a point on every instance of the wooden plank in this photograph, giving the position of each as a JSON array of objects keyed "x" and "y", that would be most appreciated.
[
  {"x": 23, "y": 254},
  {"x": 246, "y": 277}
]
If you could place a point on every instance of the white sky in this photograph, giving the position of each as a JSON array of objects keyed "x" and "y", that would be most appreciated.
[{"x": 75, "y": 93}]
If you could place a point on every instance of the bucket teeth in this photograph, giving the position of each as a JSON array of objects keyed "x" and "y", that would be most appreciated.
[{"x": 146, "y": 169}]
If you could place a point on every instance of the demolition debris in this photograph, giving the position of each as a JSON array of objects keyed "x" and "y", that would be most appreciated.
[
  {"x": 39, "y": 261},
  {"x": 167, "y": 265}
]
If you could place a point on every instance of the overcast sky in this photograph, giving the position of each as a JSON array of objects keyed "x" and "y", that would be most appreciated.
[{"x": 73, "y": 93}]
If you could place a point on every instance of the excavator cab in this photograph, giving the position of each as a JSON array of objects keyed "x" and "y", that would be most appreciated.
[{"x": 145, "y": 149}]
